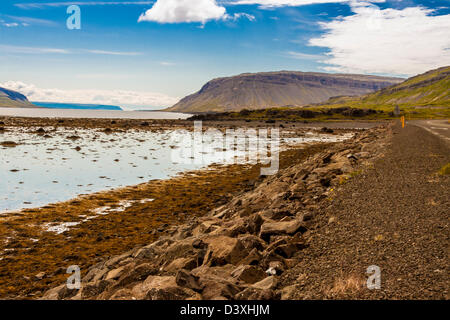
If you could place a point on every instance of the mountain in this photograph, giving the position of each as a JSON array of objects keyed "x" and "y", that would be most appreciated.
[
  {"x": 430, "y": 89},
  {"x": 277, "y": 89},
  {"x": 13, "y": 99}
]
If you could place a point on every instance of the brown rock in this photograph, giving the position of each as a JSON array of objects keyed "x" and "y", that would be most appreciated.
[
  {"x": 181, "y": 263},
  {"x": 268, "y": 283},
  {"x": 223, "y": 250},
  {"x": 214, "y": 290},
  {"x": 59, "y": 293},
  {"x": 115, "y": 274},
  {"x": 93, "y": 289},
  {"x": 139, "y": 273},
  {"x": 284, "y": 227},
  {"x": 248, "y": 274},
  {"x": 187, "y": 280}
]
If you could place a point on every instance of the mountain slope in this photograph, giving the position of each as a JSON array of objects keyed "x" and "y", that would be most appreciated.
[
  {"x": 13, "y": 99},
  {"x": 430, "y": 89},
  {"x": 277, "y": 89}
]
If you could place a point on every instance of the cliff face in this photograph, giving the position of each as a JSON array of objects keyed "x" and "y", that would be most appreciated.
[
  {"x": 277, "y": 89},
  {"x": 13, "y": 99}
]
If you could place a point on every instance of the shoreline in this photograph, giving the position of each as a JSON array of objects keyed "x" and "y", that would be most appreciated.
[
  {"x": 245, "y": 226},
  {"x": 28, "y": 251}
]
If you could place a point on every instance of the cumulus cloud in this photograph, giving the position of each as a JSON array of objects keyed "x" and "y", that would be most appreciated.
[
  {"x": 389, "y": 41},
  {"x": 108, "y": 97},
  {"x": 176, "y": 11}
]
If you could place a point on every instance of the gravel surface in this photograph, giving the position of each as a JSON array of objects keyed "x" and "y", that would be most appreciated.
[{"x": 394, "y": 215}]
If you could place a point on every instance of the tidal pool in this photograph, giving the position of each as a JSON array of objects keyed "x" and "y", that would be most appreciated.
[{"x": 61, "y": 164}]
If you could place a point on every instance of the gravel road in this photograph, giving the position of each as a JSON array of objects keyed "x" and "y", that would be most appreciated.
[{"x": 395, "y": 216}]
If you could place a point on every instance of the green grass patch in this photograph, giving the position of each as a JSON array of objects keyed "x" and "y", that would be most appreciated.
[{"x": 445, "y": 170}]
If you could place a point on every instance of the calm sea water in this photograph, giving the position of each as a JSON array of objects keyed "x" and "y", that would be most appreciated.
[
  {"x": 90, "y": 114},
  {"x": 44, "y": 169},
  {"x": 78, "y": 106}
]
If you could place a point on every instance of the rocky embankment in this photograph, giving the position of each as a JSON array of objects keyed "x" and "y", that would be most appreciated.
[{"x": 237, "y": 251}]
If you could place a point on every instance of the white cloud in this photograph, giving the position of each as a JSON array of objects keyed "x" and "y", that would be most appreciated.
[
  {"x": 292, "y": 3},
  {"x": 176, "y": 11},
  {"x": 11, "y": 25},
  {"x": 167, "y": 63},
  {"x": 38, "y": 50},
  {"x": 79, "y": 3},
  {"x": 114, "y": 53},
  {"x": 108, "y": 97},
  {"x": 389, "y": 41},
  {"x": 32, "y": 50},
  {"x": 304, "y": 56},
  {"x": 240, "y": 15}
]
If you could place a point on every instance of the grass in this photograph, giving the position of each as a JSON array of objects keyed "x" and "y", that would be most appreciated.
[
  {"x": 445, "y": 170},
  {"x": 347, "y": 285}
]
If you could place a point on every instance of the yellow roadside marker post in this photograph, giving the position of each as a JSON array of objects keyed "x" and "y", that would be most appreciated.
[{"x": 403, "y": 121}]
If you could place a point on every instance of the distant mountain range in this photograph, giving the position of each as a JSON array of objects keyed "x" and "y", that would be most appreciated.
[
  {"x": 13, "y": 99},
  {"x": 278, "y": 89}
]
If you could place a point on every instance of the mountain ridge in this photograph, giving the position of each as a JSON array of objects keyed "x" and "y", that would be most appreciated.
[
  {"x": 13, "y": 99},
  {"x": 430, "y": 88},
  {"x": 277, "y": 89}
]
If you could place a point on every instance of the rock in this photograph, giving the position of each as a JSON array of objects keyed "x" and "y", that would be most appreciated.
[
  {"x": 284, "y": 227},
  {"x": 251, "y": 242},
  {"x": 115, "y": 260},
  {"x": 115, "y": 274},
  {"x": 199, "y": 244},
  {"x": 187, "y": 280},
  {"x": 93, "y": 289},
  {"x": 271, "y": 271},
  {"x": 268, "y": 283},
  {"x": 255, "y": 294},
  {"x": 8, "y": 144},
  {"x": 289, "y": 249},
  {"x": 207, "y": 226},
  {"x": 223, "y": 250},
  {"x": 214, "y": 290},
  {"x": 161, "y": 288},
  {"x": 182, "y": 263},
  {"x": 123, "y": 294},
  {"x": 278, "y": 266},
  {"x": 40, "y": 275},
  {"x": 59, "y": 293},
  {"x": 248, "y": 274},
  {"x": 139, "y": 273},
  {"x": 217, "y": 273},
  {"x": 253, "y": 258}
]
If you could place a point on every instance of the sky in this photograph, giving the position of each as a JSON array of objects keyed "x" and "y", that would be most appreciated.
[{"x": 149, "y": 54}]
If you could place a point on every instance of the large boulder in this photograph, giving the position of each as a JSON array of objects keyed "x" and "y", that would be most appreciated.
[
  {"x": 280, "y": 228},
  {"x": 223, "y": 250}
]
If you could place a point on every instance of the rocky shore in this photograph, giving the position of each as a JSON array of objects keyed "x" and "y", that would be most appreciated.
[{"x": 241, "y": 249}]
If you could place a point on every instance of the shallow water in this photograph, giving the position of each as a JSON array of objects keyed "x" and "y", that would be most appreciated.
[
  {"x": 42, "y": 170},
  {"x": 90, "y": 114}
]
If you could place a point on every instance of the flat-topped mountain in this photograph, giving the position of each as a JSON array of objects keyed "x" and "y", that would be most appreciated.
[
  {"x": 277, "y": 89},
  {"x": 13, "y": 99}
]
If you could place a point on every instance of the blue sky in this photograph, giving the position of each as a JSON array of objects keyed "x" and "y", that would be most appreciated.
[{"x": 151, "y": 53}]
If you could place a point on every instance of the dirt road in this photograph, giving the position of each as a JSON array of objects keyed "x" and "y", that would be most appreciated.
[{"x": 395, "y": 216}]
